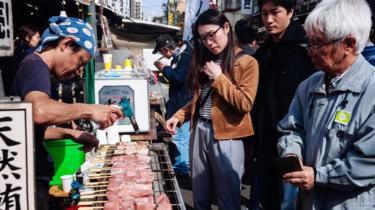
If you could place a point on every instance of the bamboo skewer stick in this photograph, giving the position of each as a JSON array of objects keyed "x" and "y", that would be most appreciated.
[
  {"x": 92, "y": 196},
  {"x": 91, "y": 208},
  {"x": 99, "y": 176},
  {"x": 92, "y": 192},
  {"x": 99, "y": 169},
  {"x": 96, "y": 183},
  {"x": 87, "y": 203}
]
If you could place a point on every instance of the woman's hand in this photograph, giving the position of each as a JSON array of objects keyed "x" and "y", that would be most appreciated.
[
  {"x": 171, "y": 124},
  {"x": 212, "y": 70}
]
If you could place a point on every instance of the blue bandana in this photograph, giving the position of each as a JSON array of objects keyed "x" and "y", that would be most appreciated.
[{"x": 79, "y": 30}]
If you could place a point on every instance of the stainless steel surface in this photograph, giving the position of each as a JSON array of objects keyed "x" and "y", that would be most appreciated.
[{"x": 164, "y": 178}]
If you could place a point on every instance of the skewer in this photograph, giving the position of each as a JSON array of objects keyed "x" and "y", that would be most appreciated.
[
  {"x": 91, "y": 208},
  {"x": 101, "y": 160},
  {"x": 92, "y": 196},
  {"x": 87, "y": 203},
  {"x": 99, "y": 176},
  {"x": 91, "y": 192},
  {"x": 160, "y": 58},
  {"x": 99, "y": 169},
  {"x": 96, "y": 183},
  {"x": 100, "y": 186}
]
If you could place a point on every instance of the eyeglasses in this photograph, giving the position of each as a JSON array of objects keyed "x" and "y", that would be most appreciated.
[
  {"x": 210, "y": 36},
  {"x": 316, "y": 46}
]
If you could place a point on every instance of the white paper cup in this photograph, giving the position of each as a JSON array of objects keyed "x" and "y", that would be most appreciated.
[
  {"x": 101, "y": 135},
  {"x": 113, "y": 134},
  {"x": 67, "y": 182},
  {"x": 107, "y": 59}
]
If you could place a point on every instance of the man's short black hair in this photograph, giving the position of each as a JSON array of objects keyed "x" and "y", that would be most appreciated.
[
  {"x": 245, "y": 32},
  {"x": 287, "y": 4},
  {"x": 53, "y": 44}
]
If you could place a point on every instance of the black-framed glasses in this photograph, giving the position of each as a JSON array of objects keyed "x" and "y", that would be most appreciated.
[
  {"x": 316, "y": 46},
  {"x": 210, "y": 36}
]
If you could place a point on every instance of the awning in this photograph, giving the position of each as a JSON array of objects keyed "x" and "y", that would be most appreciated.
[{"x": 140, "y": 31}]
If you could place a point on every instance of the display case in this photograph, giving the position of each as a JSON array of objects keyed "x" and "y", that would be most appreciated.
[{"x": 111, "y": 87}]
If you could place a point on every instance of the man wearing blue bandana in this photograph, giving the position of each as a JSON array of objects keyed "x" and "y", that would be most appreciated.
[{"x": 65, "y": 48}]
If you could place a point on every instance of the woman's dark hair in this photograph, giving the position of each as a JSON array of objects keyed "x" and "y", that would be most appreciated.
[
  {"x": 24, "y": 32},
  {"x": 201, "y": 54},
  {"x": 287, "y": 4}
]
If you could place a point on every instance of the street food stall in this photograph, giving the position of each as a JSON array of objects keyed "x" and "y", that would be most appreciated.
[{"x": 133, "y": 175}]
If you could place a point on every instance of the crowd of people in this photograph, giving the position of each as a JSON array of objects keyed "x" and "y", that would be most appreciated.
[
  {"x": 313, "y": 100},
  {"x": 306, "y": 91}
]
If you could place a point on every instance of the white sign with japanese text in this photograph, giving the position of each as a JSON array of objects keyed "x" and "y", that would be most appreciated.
[
  {"x": 16, "y": 157},
  {"x": 246, "y": 7},
  {"x": 6, "y": 28}
]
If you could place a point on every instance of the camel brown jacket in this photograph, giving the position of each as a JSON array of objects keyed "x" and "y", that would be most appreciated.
[{"x": 232, "y": 100}]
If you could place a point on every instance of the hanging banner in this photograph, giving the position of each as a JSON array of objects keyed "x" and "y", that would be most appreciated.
[
  {"x": 193, "y": 9},
  {"x": 106, "y": 34},
  {"x": 16, "y": 156},
  {"x": 246, "y": 7},
  {"x": 6, "y": 28}
]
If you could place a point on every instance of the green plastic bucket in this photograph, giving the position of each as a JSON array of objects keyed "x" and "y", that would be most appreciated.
[{"x": 66, "y": 158}]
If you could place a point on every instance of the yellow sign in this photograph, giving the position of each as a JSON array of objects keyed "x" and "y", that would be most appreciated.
[{"x": 170, "y": 18}]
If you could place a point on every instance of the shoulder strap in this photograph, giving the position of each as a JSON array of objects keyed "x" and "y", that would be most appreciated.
[{"x": 201, "y": 103}]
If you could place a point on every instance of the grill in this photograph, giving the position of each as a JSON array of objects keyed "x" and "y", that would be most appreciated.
[{"x": 164, "y": 180}]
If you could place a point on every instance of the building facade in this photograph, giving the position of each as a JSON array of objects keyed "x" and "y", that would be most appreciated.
[{"x": 136, "y": 11}]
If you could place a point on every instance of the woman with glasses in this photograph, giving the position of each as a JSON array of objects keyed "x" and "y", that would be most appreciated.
[
  {"x": 223, "y": 81},
  {"x": 283, "y": 63},
  {"x": 330, "y": 124}
]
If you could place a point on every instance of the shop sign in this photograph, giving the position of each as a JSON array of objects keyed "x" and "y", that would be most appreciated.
[
  {"x": 246, "y": 7},
  {"x": 6, "y": 28},
  {"x": 170, "y": 18},
  {"x": 107, "y": 39},
  {"x": 16, "y": 157}
]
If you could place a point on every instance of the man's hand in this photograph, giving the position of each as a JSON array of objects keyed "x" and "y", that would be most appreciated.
[
  {"x": 87, "y": 140},
  {"x": 159, "y": 65},
  {"x": 212, "y": 70},
  {"x": 302, "y": 179},
  {"x": 105, "y": 115}
]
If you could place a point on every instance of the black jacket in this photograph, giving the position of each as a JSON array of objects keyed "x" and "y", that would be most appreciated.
[
  {"x": 176, "y": 74},
  {"x": 9, "y": 68},
  {"x": 283, "y": 66}
]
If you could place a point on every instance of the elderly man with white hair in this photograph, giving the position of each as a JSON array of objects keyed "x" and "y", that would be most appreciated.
[{"x": 331, "y": 121}]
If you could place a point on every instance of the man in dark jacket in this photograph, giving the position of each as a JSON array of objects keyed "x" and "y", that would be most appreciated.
[
  {"x": 369, "y": 51},
  {"x": 283, "y": 63},
  {"x": 179, "y": 95},
  {"x": 247, "y": 36}
]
